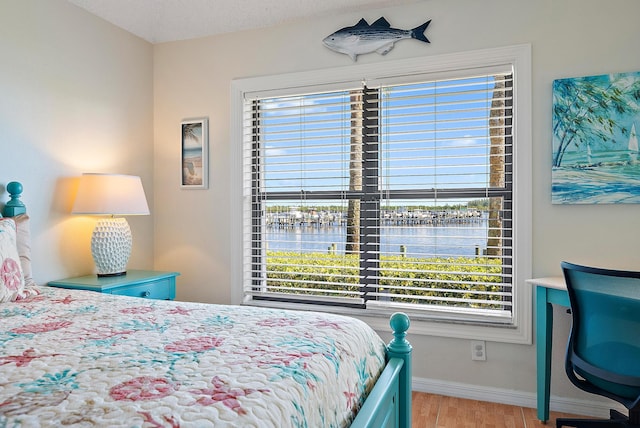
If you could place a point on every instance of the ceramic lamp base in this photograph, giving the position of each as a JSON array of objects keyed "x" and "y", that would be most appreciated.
[{"x": 111, "y": 246}]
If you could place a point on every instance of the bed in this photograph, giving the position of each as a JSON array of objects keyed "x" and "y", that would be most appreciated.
[{"x": 80, "y": 358}]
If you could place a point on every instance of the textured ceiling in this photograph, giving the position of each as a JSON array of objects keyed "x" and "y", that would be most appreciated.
[{"x": 160, "y": 21}]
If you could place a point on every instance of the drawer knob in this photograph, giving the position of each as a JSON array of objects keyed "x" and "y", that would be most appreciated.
[{"x": 146, "y": 294}]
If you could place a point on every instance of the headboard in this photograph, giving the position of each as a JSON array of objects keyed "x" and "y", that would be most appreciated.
[{"x": 14, "y": 206}]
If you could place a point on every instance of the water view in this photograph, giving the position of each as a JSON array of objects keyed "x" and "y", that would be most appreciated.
[
  {"x": 601, "y": 177},
  {"x": 453, "y": 237}
]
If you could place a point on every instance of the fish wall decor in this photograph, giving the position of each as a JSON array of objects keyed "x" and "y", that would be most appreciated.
[{"x": 378, "y": 37}]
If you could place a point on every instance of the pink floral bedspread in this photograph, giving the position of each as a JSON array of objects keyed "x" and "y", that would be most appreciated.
[{"x": 78, "y": 358}]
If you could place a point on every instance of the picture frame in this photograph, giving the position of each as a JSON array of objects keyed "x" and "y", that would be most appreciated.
[
  {"x": 595, "y": 144},
  {"x": 194, "y": 153}
]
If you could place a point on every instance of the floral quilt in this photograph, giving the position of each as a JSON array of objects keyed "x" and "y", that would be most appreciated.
[{"x": 79, "y": 358}]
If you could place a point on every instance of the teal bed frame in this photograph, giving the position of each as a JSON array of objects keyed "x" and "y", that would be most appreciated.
[{"x": 389, "y": 402}]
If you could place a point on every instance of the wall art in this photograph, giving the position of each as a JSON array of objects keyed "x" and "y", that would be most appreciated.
[
  {"x": 363, "y": 38},
  {"x": 595, "y": 144},
  {"x": 195, "y": 157}
]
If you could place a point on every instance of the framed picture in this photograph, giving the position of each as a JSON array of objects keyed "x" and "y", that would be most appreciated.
[
  {"x": 595, "y": 141},
  {"x": 195, "y": 157}
]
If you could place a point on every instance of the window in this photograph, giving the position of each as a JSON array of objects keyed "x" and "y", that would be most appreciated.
[{"x": 390, "y": 193}]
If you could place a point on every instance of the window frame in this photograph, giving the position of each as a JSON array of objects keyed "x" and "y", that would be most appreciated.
[{"x": 288, "y": 84}]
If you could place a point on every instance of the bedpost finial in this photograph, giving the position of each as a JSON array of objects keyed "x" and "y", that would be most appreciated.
[
  {"x": 14, "y": 206},
  {"x": 399, "y": 322},
  {"x": 15, "y": 189}
]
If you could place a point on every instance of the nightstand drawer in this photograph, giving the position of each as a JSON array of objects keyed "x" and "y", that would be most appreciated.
[
  {"x": 160, "y": 290},
  {"x": 147, "y": 284}
]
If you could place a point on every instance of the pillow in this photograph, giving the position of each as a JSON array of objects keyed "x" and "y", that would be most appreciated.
[
  {"x": 24, "y": 247},
  {"x": 11, "y": 279}
]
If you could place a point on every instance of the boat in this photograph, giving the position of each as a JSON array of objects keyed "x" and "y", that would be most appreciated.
[{"x": 633, "y": 144}]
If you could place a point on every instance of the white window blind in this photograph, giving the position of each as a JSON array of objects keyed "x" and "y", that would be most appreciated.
[{"x": 391, "y": 195}]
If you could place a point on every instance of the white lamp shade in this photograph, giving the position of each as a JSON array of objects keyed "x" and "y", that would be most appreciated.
[{"x": 110, "y": 194}]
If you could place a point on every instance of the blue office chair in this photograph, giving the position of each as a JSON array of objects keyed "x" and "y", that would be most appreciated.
[{"x": 603, "y": 353}]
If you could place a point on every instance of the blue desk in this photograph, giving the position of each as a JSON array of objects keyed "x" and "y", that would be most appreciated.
[{"x": 548, "y": 290}]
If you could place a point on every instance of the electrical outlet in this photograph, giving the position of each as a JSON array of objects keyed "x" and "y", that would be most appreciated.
[{"x": 478, "y": 350}]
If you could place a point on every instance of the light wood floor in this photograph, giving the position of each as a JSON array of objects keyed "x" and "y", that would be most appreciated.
[{"x": 437, "y": 411}]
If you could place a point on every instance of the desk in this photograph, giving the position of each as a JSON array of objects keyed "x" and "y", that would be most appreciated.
[{"x": 548, "y": 290}]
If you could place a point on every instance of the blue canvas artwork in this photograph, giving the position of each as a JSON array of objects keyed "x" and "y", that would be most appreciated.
[{"x": 595, "y": 144}]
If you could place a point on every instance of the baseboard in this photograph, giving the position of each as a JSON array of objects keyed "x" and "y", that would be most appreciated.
[{"x": 514, "y": 398}]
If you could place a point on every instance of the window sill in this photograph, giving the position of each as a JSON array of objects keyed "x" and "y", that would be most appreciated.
[{"x": 423, "y": 324}]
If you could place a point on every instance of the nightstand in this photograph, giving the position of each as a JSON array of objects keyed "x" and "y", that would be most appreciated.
[{"x": 147, "y": 284}]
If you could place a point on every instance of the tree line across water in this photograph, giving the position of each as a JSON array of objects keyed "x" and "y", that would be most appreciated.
[{"x": 476, "y": 204}]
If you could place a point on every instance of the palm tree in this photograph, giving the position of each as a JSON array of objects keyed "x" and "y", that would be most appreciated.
[
  {"x": 188, "y": 131},
  {"x": 496, "y": 166},
  {"x": 355, "y": 173}
]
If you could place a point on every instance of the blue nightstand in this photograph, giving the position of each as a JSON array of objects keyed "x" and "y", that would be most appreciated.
[{"x": 147, "y": 284}]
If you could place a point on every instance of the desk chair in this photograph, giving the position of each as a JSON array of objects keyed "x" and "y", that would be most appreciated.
[{"x": 603, "y": 352}]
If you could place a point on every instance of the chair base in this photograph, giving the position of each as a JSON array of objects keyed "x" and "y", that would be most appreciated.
[{"x": 617, "y": 419}]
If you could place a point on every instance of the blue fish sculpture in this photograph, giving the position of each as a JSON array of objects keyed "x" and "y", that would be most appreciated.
[{"x": 378, "y": 37}]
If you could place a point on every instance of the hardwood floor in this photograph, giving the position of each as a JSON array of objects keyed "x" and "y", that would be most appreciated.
[{"x": 437, "y": 411}]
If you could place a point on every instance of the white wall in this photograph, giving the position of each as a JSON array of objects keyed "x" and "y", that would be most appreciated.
[
  {"x": 568, "y": 38},
  {"x": 76, "y": 95}
]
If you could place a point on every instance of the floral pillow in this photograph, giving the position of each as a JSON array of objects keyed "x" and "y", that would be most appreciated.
[
  {"x": 24, "y": 247},
  {"x": 11, "y": 278}
]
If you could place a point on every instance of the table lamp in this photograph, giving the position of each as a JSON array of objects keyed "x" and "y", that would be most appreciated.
[{"x": 111, "y": 195}]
